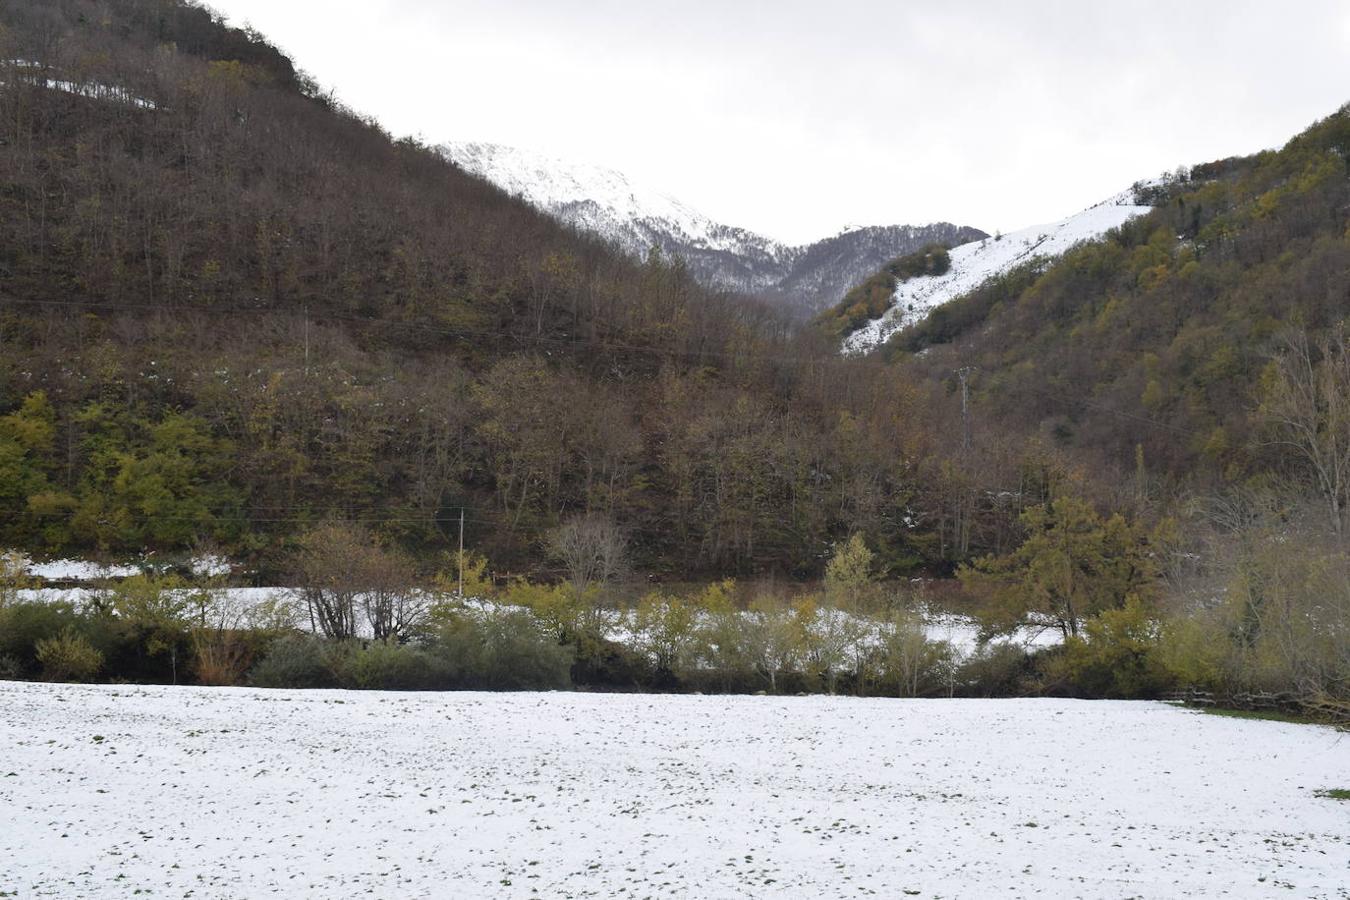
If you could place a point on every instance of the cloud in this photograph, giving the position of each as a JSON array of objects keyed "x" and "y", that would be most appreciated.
[{"x": 796, "y": 118}]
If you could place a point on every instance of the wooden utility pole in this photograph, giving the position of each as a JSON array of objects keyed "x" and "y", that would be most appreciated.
[
  {"x": 461, "y": 554},
  {"x": 964, "y": 373}
]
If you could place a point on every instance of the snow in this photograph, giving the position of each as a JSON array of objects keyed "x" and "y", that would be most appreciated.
[
  {"x": 599, "y": 199},
  {"x": 975, "y": 263},
  {"x": 86, "y": 570},
  {"x": 92, "y": 90},
  {"x": 114, "y": 791},
  {"x": 79, "y": 570}
]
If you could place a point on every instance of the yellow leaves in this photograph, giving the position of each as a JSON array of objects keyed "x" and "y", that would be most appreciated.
[
  {"x": 718, "y": 597},
  {"x": 33, "y": 426},
  {"x": 1217, "y": 444},
  {"x": 1151, "y": 278},
  {"x": 227, "y": 71},
  {"x": 1153, "y": 396}
]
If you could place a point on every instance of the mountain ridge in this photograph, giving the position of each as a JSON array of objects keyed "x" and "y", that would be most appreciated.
[{"x": 637, "y": 219}]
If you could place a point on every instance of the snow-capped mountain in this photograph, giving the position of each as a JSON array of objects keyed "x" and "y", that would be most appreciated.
[
  {"x": 976, "y": 262},
  {"x": 637, "y": 218}
]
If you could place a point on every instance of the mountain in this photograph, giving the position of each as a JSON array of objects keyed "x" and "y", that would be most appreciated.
[
  {"x": 239, "y": 310},
  {"x": 637, "y": 218},
  {"x": 972, "y": 264},
  {"x": 1155, "y": 347}
]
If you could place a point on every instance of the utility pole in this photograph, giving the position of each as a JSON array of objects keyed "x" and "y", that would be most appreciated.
[
  {"x": 964, "y": 374},
  {"x": 461, "y": 554}
]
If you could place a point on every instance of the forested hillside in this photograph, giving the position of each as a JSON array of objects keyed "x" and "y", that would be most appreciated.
[
  {"x": 231, "y": 308},
  {"x": 1151, "y": 347}
]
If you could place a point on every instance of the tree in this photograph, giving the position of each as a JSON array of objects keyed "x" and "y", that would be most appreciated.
[
  {"x": 592, "y": 548},
  {"x": 1306, "y": 404},
  {"x": 343, "y": 571},
  {"x": 13, "y": 577},
  {"x": 667, "y": 628},
  {"x": 910, "y": 663},
  {"x": 1072, "y": 565},
  {"x": 848, "y": 575}
]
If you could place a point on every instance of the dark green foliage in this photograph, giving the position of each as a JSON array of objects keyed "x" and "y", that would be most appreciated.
[
  {"x": 998, "y": 669},
  {"x": 298, "y": 661},
  {"x": 503, "y": 651},
  {"x": 388, "y": 666},
  {"x": 23, "y": 625}
]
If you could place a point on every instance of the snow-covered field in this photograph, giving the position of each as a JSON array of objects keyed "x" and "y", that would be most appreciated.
[
  {"x": 115, "y": 791},
  {"x": 975, "y": 263}
]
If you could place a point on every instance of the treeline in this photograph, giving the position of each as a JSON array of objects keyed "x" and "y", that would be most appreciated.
[{"x": 1139, "y": 617}]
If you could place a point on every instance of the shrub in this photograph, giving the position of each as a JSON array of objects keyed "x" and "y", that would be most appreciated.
[
  {"x": 1115, "y": 656},
  {"x": 387, "y": 666},
  {"x": 223, "y": 656},
  {"x": 503, "y": 649},
  {"x": 998, "y": 669},
  {"x": 68, "y": 657},
  {"x": 911, "y": 665},
  {"x": 24, "y": 624},
  {"x": 297, "y": 661},
  {"x": 10, "y": 669}
]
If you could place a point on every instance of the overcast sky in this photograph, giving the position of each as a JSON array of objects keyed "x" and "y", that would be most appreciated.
[{"x": 797, "y": 119}]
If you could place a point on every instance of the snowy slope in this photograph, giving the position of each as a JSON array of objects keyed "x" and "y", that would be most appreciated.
[
  {"x": 974, "y": 263},
  {"x": 637, "y": 218},
  {"x": 121, "y": 791}
]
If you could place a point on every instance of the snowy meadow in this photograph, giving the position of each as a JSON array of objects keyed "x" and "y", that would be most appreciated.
[{"x": 119, "y": 791}]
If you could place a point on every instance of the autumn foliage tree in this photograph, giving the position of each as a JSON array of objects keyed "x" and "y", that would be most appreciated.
[{"x": 1073, "y": 564}]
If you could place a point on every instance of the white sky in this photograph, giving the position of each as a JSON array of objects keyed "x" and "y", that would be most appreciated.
[{"x": 799, "y": 118}]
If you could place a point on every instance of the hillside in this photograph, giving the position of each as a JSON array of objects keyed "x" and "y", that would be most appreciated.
[
  {"x": 637, "y": 219},
  {"x": 1153, "y": 341},
  {"x": 238, "y": 309},
  {"x": 975, "y": 262}
]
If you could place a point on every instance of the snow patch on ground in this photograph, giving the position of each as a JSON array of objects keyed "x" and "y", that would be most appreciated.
[
  {"x": 111, "y": 791},
  {"x": 85, "y": 570},
  {"x": 975, "y": 263}
]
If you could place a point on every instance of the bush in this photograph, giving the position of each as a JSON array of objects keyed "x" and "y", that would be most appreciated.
[
  {"x": 68, "y": 657},
  {"x": 386, "y": 666},
  {"x": 297, "y": 661},
  {"x": 911, "y": 665},
  {"x": 24, "y": 624},
  {"x": 1115, "y": 657},
  {"x": 503, "y": 650},
  {"x": 10, "y": 669},
  {"x": 223, "y": 656},
  {"x": 999, "y": 669}
]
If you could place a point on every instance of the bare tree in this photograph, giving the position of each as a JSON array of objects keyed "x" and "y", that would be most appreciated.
[
  {"x": 343, "y": 572},
  {"x": 593, "y": 549},
  {"x": 1307, "y": 405}
]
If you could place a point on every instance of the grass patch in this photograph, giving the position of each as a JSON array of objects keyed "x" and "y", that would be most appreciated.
[
  {"x": 1269, "y": 715},
  {"x": 1335, "y": 793}
]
